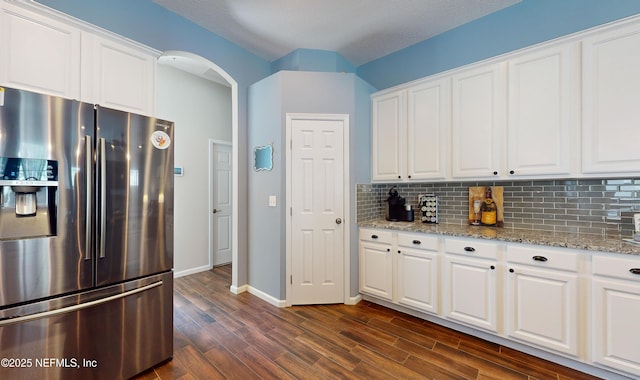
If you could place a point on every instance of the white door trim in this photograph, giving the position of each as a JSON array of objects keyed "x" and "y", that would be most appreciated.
[
  {"x": 347, "y": 206},
  {"x": 211, "y": 200}
]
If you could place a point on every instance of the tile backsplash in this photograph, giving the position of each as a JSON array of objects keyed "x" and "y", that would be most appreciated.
[{"x": 592, "y": 206}]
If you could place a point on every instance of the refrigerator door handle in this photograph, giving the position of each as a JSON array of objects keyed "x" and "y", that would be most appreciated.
[
  {"x": 88, "y": 145},
  {"x": 103, "y": 196},
  {"x": 64, "y": 310}
]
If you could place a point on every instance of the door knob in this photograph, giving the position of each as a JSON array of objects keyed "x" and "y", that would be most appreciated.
[
  {"x": 338, "y": 221},
  {"x": 215, "y": 210}
]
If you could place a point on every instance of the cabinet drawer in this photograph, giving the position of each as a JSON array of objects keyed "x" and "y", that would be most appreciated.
[
  {"x": 380, "y": 236},
  {"x": 615, "y": 266},
  {"x": 544, "y": 258},
  {"x": 472, "y": 248},
  {"x": 419, "y": 241}
]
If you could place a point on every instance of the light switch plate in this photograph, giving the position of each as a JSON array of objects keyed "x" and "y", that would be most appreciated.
[{"x": 272, "y": 201}]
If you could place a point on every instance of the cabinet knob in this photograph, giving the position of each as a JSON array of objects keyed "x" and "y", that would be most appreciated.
[
  {"x": 417, "y": 242},
  {"x": 469, "y": 249},
  {"x": 539, "y": 258},
  {"x": 399, "y": 252},
  {"x": 388, "y": 249},
  {"x": 512, "y": 172},
  {"x": 495, "y": 173},
  {"x": 635, "y": 270},
  {"x": 409, "y": 176},
  {"x": 374, "y": 236},
  {"x": 399, "y": 177},
  {"x": 511, "y": 270},
  {"x": 493, "y": 267}
]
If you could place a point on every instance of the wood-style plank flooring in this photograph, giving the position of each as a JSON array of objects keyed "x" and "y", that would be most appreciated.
[{"x": 219, "y": 335}]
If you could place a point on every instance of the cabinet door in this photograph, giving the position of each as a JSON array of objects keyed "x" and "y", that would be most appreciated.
[
  {"x": 479, "y": 117},
  {"x": 610, "y": 83},
  {"x": 428, "y": 125},
  {"x": 470, "y": 291},
  {"x": 39, "y": 54},
  {"x": 542, "y": 112},
  {"x": 388, "y": 136},
  {"x": 615, "y": 310},
  {"x": 417, "y": 272},
  {"x": 542, "y": 307},
  {"x": 376, "y": 269},
  {"x": 117, "y": 75}
]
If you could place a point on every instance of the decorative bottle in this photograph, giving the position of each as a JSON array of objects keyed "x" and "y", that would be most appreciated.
[{"x": 489, "y": 210}]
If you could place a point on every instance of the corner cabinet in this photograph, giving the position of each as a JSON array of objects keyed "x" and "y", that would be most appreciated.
[
  {"x": 39, "y": 54},
  {"x": 410, "y": 132},
  {"x": 610, "y": 96},
  {"x": 615, "y": 311}
]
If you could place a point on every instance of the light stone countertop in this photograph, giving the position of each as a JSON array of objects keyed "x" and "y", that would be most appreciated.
[{"x": 552, "y": 239}]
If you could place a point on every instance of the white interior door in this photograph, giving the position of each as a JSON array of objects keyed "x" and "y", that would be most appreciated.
[
  {"x": 221, "y": 204},
  {"x": 317, "y": 209}
]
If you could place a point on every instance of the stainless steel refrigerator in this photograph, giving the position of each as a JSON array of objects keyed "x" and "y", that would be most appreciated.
[{"x": 86, "y": 239}]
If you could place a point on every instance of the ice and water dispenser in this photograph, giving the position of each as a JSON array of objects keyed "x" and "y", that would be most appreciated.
[{"x": 28, "y": 204}]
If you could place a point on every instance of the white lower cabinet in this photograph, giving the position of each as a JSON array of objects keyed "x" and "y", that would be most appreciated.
[
  {"x": 376, "y": 266},
  {"x": 417, "y": 271},
  {"x": 615, "y": 311},
  {"x": 470, "y": 286},
  {"x": 542, "y": 295}
]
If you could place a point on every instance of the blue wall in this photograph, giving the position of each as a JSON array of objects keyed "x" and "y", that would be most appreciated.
[
  {"x": 150, "y": 24},
  {"x": 313, "y": 60},
  {"x": 526, "y": 23}
]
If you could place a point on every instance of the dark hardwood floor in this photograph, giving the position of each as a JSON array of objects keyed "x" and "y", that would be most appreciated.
[{"x": 219, "y": 335}]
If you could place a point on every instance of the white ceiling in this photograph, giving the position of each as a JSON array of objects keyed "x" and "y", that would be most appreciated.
[{"x": 360, "y": 30}]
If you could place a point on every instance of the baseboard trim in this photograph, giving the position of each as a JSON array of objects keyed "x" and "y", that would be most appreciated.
[
  {"x": 353, "y": 300},
  {"x": 189, "y": 271},
  {"x": 265, "y": 297}
]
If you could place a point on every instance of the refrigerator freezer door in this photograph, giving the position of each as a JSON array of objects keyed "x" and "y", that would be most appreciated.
[
  {"x": 111, "y": 333},
  {"x": 135, "y": 196},
  {"x": 38, "y": 128}
]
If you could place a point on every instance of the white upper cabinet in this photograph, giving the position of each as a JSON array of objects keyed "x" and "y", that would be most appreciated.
[
  {"x": 478, "y": 111},
  {"x": 118, "y": 75},
  {"x": 55, "y": 56},
  {"x": 39, "y": 54},
  {"x": 543, "y": 112},
  {"x": 410, "y": 132},
  {"x": 611, "y": 101},
  {"x": 428, "y": 126},
  {"x": 388, "y": 136}
]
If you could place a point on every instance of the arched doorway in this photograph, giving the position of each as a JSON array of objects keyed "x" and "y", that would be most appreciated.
[{"x": 203, "y": 68}]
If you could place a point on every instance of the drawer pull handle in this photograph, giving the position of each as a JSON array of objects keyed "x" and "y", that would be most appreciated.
[
  {"x": 539, "y": 258},
  {"x": 635, "y": 270},
  {"x": 417, "y": 242},
  {"x": 469, "y": 249},
  {"x": 374, "y": 236}
]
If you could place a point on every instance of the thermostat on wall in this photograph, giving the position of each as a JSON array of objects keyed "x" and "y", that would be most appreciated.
[{"x": 178, "y": 171}]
